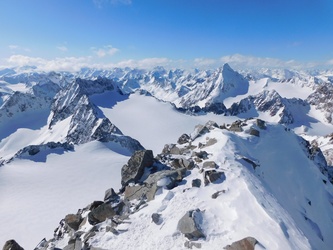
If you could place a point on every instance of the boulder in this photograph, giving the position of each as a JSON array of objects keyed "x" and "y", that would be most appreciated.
[
  {"x": 183, "y": 163},
  {"x": 201, "y": 154},
  {"x": 236, "y": 126},
  {"x": 111, "y": 196},
  {"x": 247, "y": 243},
  {"x": 12, "y": 245},
  {"x": 156, "y": 218},
  {"x": 211, "y": 125},
  {"x": 101, "y": 213},
  {"x": 134, "y": 169},
  {"x": 140, "y": 192},
  {"x": 73, "y": 221},
  {"x": 174, "y": 150},
  {"x": 209, "y": 164},
  {"x": 184, "y": 138},
  {"x": 196, "y": 183},
  {"x": 213, "y": 176},
  {"x": 261, "y": 124},
  {"x": 254, "y": 132},
  {"x": 199, "y": 130},
  {"x": 164, "y": 178},
  {"x": 94, "y": 204},
  {"x": 189, "y": 225}
]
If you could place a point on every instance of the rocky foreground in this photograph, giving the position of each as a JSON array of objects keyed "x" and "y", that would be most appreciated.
[{"x": 206, "y": 180}]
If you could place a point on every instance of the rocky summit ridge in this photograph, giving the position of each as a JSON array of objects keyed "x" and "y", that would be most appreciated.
[{"x": 192, "y": 195}]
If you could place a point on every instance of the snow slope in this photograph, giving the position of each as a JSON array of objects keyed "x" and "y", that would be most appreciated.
[
  {"x": 35, "y": 195},
  {"x": 152, "y": 122}
]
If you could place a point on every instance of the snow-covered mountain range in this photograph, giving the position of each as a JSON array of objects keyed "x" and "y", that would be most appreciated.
[{"x": 257, "y": 171}]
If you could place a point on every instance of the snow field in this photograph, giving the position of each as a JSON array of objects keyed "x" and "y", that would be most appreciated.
[{"x": 35, "y": 196}]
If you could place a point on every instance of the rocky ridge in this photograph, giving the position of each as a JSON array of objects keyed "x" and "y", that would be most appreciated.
[
  {"x": 195, "y": 167},
  {"x": 86, "y": 121}
]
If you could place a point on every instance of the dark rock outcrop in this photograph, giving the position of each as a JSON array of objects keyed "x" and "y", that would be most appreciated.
[
  {"x": 12, "y": 245},
  {"x": 103, "y": 212},
  {"x": 271, "y": 102},
  {"x": 322, "y": 98},
  {"x": 236, "y": 126},
  {"x": 184, "y": 138},
  {"x": 111, "y": 196},
  {"x": 164, "y": 178},
  {"x": 211, "y": 176},
  {"x": 261, "y": 124},
  {"x": 73, "y": 221},
  {"x": 134, "y": 169},
  {"x": 156, "y": 218},
  {"x": 196, "y": 183},
  {"x": 254, "y": 132}
]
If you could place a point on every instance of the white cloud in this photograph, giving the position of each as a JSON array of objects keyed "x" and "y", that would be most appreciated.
[
  {"x": 144, "y": 63},
  {"x": 246, "y": 62},
  {"x": 105, "y": 51},
  {"x": 71, "y": 64},
  {"x": 74, "y": 64},
  {"x": 204, "y": 62},
  {"x": 62, "y": 48}
]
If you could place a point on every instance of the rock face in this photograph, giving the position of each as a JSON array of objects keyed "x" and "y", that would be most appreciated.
[
  {"x": 134, "y": 169},
  {"x": 189, "y": 225},
  {"x": 87, "y": 121},
  {"x": 314, "y": 153},
  {"x": 212, "y": 89},
  {"x": 272, "y": 103},
  {"x": 12, "y": 245},
  {"x": 39, "y": 98},
  {"x": 322, "y": 98},
  {"x": 247, "y": 243}
]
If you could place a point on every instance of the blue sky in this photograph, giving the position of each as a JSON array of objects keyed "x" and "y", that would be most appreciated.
[{"x": 178, "y": 33}]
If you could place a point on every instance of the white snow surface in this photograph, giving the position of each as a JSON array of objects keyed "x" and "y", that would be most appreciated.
[
  {"x": 35, "y": 196},
  {"x": 152, "y": 122}
]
